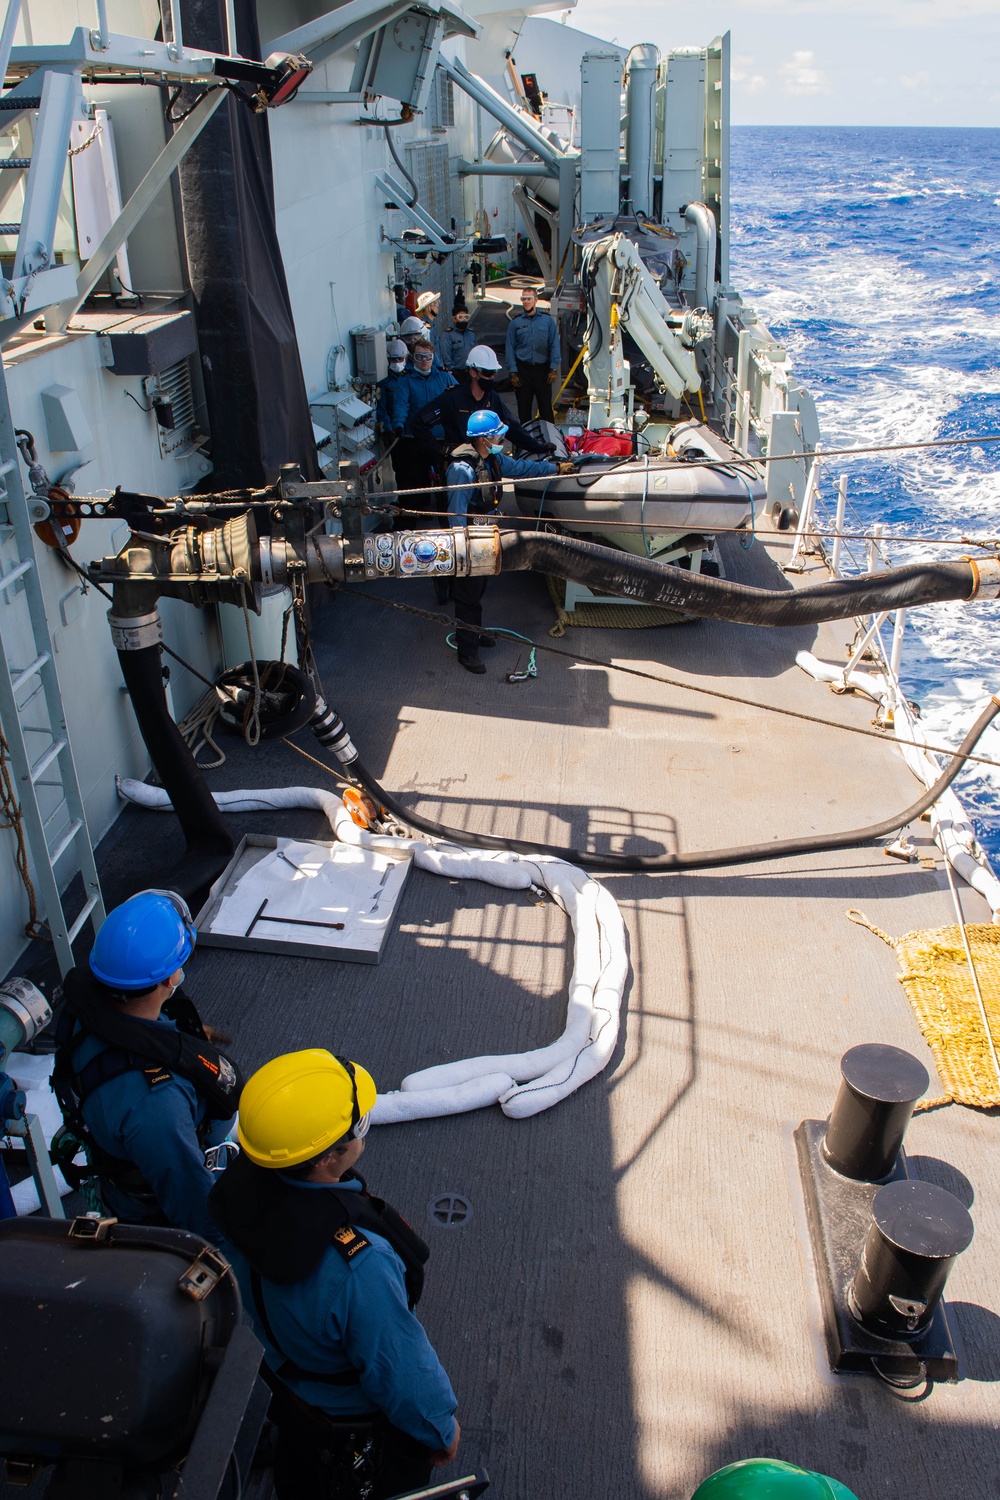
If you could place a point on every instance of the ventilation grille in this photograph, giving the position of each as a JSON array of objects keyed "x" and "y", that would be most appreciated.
[{"x": 172, "y": 389}]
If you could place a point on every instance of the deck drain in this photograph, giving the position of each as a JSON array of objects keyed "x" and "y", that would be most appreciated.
[{"x": 450, "y": 1210}]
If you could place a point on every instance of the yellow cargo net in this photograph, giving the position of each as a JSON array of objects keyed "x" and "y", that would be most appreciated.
[{"x": 934, "y": 971}]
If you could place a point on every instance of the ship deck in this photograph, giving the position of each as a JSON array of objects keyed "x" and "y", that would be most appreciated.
[{"x": 630, "y": 1304}]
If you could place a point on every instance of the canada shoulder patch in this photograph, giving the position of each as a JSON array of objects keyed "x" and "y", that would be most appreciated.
[
  {"x": 157, "y": 1075},
  {"x": 348, "y": 1241}
]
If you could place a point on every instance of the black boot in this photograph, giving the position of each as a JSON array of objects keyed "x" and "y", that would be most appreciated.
[{"x": 472, "y": 664}]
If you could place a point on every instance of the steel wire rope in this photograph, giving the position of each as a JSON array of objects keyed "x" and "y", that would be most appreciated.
[{"x": 690, "y": 687}]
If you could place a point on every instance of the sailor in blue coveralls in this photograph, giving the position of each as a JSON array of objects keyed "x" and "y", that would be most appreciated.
[
  {"x": 139, "y": 1083},
  {"x": 330, "y": 1276},
  {"x": 475, "y": 487}
]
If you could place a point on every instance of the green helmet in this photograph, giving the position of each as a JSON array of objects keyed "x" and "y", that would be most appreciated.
[{"x": 770, "y": 1479}]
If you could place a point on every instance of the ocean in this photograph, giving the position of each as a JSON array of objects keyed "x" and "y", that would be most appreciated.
[{"x": 872, "y": 255}]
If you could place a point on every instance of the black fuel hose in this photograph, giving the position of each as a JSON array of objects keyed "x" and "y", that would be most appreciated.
[
  {"x": 609, "y": 571},
  {"x": 709, "y": 859},
  {"x": 209, "y": 842}
]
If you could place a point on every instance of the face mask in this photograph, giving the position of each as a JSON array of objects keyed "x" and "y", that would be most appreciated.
[
  {"x": 461, "y": 324},
  {"x": 179, "y": 982},
  {"x": 496, "y": 447},
  {"x": 397, "y": 365}
]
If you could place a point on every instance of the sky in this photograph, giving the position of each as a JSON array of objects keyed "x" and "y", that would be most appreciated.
[{"x": 831, "y": 62}]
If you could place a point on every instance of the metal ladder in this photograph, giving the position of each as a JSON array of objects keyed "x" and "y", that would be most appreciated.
[{"x": 50, "y": 770}]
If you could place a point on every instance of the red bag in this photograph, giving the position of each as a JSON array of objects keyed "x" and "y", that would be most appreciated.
[{"x": 607, "y": 440}]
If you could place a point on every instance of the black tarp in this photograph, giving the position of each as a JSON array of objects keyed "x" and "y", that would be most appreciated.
[{"x": 257, "y": 408}]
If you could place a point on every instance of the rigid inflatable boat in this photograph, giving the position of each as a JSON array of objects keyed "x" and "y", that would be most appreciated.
[{"x": 692, "y": 487}]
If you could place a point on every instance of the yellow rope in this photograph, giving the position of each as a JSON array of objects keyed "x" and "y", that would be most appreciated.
[{"x": 934, "y": 972}]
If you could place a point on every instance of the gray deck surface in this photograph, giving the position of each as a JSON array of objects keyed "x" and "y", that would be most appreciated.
[{"x": 631, "y": 1304}]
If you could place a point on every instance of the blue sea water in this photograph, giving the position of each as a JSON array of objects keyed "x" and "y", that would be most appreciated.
[{"x": 872, "y": 254}]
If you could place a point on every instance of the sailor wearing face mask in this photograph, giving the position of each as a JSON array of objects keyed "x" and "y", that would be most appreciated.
[
  {"x": 456, "y": 344},
  {"x": 451, "y": 411},
  {"x": 138, "y": 1081},
  {"x": 398, "y": 359},
  {"x": 475, "y": 489}
]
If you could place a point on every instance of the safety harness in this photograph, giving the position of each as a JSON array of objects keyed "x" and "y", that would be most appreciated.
[
  {"x": 284, "y": 1232},
  {"x": 159, "y": 1053},
  {"x": 486, "y": 501}
]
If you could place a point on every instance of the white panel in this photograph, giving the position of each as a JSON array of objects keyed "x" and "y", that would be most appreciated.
[
  {"x": 600, "y": 134},
  {"x": 96, "y": 191}
]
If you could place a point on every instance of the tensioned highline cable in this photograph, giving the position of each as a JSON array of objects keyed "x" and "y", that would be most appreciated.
[
  {"x": 261, "y": 496},
  {"x": 985, "y": 543},
  {"x": 690, "y": 687}
]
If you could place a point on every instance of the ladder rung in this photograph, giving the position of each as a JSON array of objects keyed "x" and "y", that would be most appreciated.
[
  {"x": 14, "y": 163},
  {"x": 10, "y": 229},
  {"x": 29, "y": 672},
  {"x": 44, "y": 761},
  {"x": 8, "y": 467},
  {"x": 25, "y": 102},
  {"x": 77, "y": 927},
  {"x": 64, "y": 843},
  {"x": 22, "y": 568}
]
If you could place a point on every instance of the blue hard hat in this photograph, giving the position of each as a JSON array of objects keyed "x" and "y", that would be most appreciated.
[
  {"x": 143, "y": 941},
  {"x": 484, "y": 424}
]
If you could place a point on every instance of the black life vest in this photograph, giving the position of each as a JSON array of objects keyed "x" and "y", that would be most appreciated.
[
  {"x": 484, "y": 502},
  {"x": 284, "y": 1233},
  {"x": 135, "y": 1046}
]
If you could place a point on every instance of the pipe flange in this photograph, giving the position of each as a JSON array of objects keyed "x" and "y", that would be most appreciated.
[
  {"x": 26, "y": 1004},
  {"x": 136, "y": 632}
]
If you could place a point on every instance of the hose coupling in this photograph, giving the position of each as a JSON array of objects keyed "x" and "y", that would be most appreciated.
[
  {"x": 328, "y": 727},
  {"x": 458, "y": 552},
  {"x": 985, "y": 577}
]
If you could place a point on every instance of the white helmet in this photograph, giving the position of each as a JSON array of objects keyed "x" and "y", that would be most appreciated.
[
  {"x": 413, "y": 325},
  {"x": 482, "y": 358},
  {"x": 396, "y": 349}
]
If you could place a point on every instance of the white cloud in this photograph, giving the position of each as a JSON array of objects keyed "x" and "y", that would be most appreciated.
[
  {"x": 802, "y": 76},
  {"x": 914, "y": 80},
  {"x": 743, "y": 76}
]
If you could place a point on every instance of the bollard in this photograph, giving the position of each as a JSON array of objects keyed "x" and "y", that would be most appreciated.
[
  {"x": 917, "y": 1232},
  {"x": 879, "y": 1087}
]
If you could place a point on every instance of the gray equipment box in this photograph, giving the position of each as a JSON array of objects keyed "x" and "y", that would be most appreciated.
[
  {"x": 148, "y": 343},
  {"x": 353, "y": 927},
  {"x": 370, "y": 359}
]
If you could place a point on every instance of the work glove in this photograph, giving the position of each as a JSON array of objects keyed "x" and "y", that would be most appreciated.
[
  {"x": 515, "y": 381},
  {"x": 553, "y": 376},
  {"x": 567, "y": 466}
]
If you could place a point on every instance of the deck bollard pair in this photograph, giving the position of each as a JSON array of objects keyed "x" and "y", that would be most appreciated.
[{"x": 883, "y": 1243}]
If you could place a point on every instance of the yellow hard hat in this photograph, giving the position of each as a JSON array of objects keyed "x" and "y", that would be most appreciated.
[{"x": 298, "y": 1105}]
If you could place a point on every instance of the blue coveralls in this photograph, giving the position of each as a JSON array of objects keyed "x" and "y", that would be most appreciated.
[
  {"x": 354, "y": 1314},
  {"x": 414, "y": 455},
  {"x": 461, "y": 473},
  {"x": 453, "y": 347},
  {"x": 467, "y": 593},
  {"x": 155, "y": 1126}
]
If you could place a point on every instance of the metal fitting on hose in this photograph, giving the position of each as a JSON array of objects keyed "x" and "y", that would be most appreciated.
[
  {"x": 458, "y": 552},
  {"x": 328, "y": 727},
  {"x": 24, "y": 1012},
  {"x": 985, "y": 577}
]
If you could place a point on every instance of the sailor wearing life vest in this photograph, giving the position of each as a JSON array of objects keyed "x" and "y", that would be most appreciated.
[
  {"x": 140, "y": 1085},
  {"x": 330, "y": 1276},
  {"x": 482, "y": 462}
]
